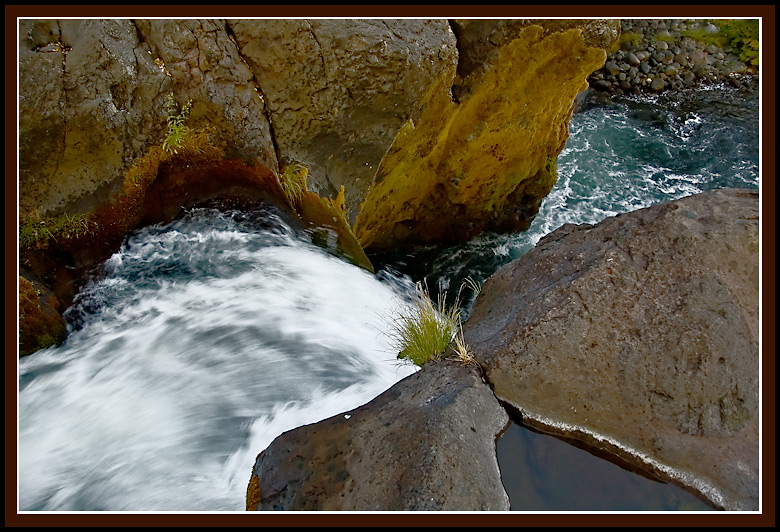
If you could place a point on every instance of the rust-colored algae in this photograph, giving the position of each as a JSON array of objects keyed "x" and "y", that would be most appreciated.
[
  {"x": 327, "y": 220},
  {"x": 458, "y": 170},
  {"x": 40, "y": 324}
]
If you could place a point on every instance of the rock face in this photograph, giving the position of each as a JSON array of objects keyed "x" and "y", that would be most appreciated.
[
  {"x": 428, "y": 443},
  {"x": 92, "y": 101},
  {"x": 485, "y": 160},
  {"x": 332, "y": 94},
  {"x": 639, "y": 336},
  {"x": 338, "y": 91},
  {"x": 366, "y": 105}
]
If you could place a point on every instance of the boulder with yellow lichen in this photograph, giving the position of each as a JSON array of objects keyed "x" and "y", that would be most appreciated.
[{"x": 483, "y": 163}]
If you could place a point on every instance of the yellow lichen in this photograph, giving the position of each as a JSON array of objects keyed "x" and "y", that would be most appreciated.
[
  {"x": 461, "y": 164},
  {"x": 253, "y": 493}
]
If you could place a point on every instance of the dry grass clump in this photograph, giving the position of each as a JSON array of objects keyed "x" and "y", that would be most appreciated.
[
  {"x": 428, "y": 328},
  {"x": 293, "y": 182},
  {"x": 462, "y": 351}
]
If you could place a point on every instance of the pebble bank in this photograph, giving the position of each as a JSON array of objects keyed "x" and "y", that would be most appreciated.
[{"x": 657, "y": 55}]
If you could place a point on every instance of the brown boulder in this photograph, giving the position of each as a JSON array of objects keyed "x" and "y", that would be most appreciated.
[
  {"x": 639, "y": 336},
  {"x": 427, "y": 443}
]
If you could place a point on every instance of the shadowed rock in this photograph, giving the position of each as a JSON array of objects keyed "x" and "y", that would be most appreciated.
[{"x": 428, "y": 443}]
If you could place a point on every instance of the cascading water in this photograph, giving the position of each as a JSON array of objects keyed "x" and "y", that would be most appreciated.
[{"x": 202, "y": 341}]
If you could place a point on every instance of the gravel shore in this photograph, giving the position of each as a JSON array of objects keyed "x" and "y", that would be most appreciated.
[{"x": 656, "y": 55}]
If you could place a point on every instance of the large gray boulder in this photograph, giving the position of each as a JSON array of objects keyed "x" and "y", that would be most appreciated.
[
  {"x": 639, "y": 336},
  {"x": 427, "y": 443}
]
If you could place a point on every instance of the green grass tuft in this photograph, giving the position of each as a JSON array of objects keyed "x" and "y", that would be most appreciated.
[
  {"x": 177, "y": 131},
  {"x": 35, "y": 232},
  {"x": 425, "y": 331},
  {"x": 293, "y": 182}
]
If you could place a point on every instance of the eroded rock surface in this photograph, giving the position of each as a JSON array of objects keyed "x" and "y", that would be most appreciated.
[
  {"x": 338, "y": 91},
  {"x": 428, "y": 443},
  {"x": 639, "y": 335},
  {"x": 92, "y": 101}
]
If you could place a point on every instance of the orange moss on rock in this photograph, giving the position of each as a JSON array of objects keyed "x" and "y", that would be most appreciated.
[
  {"x": 461, "y": 168},
  {"x": 40, "y": 322},
  {"x": 253, "y": 493},
  {"x": 326, "y": 220}
]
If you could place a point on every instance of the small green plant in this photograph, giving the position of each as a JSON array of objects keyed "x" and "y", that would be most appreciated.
[
  {"x": 177, "y": 131},
  {"x": 33, "y": 233},
  {"x": 37, "y": 232},
  {"x": 743, "y": 36},
  {"x": 626, "y": 39},
  {"x": 665, "y": 37},
  {"x": 427, "y": 329}
]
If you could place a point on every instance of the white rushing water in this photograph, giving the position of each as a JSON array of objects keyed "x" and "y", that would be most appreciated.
[{"x": 202, "y": 342}]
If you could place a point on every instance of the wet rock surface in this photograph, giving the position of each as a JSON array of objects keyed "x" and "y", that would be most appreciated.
[
  {"x": 41, "y": 324},
  {"x": 639, "y": 336},
  {"x": 428, "y": 443}
]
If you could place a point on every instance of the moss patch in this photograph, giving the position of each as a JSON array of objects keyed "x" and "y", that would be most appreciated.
[{"x": 455, "y": 172}]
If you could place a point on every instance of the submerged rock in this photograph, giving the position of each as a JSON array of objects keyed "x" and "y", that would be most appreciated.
[
  {"x": 428, "y": 443},
  {"x": 639, "y": 336}
]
